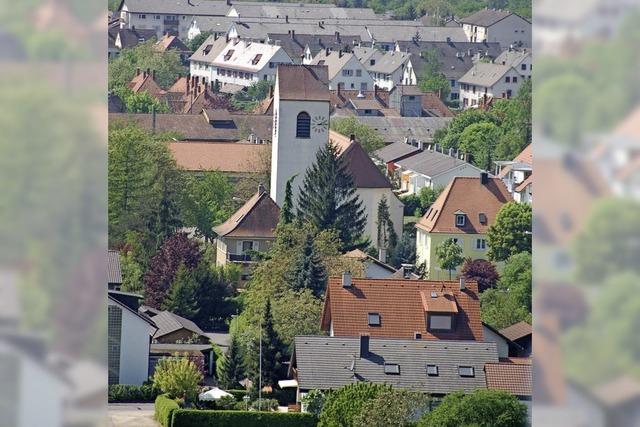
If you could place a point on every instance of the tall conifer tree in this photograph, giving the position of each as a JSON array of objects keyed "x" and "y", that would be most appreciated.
[
  {"x": 309, "y": 271},
  {"x": 286, "y": 212},
  {"x": 231, "y": 370}
]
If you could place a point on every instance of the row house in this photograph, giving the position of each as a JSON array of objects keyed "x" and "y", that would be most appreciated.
[
  {"x": 345, "y": 70},
  {"x": 485, "y": 82},
  {"x": 495, "y": 25},
  {"x": 386, "y": 68}
]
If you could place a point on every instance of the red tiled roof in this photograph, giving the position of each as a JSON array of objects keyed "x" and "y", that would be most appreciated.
[
  {"x": 516, "y": 331},
  {"x": 234, "y": 157},
  {"x": 513, "y": 378},
  {"x": 144, "y": 82},
  {"x": 468, "y": 195},
  {"x": 364, "y": 172},
  {"x": 525, "y": 156},
  {"x": 258, "y": 217},
  {"x": 524, "y": 183},
  {"x": 401, "y": 308}
]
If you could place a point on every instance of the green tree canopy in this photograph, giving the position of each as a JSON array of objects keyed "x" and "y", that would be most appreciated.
[
  {"x": 328, "y": 199},
  {"x": 510, "y": 301},
  {"x": 167, "y": 65},
  {"x": 178, "y": 377},
  {"x": 141, "y": 102},
  {"x": 249, "y": 98},
  {"x": 482, "y": 408},
  {"x": 368, "y": 137},
  {"x": 231, "y": 369},
  {"x": 197, "y": 41},
  {"x": 449, "y": 255},
  {"x": 432, "y": 79},
  {"x": 511, "y": 232},
  {"x": 392, "y": 408},
  {"x": 309, "y": 271},
  {"x": 344, "y": 405},
  {"x": 479, "y": 141},
  {"x": 181, "y": 298}
]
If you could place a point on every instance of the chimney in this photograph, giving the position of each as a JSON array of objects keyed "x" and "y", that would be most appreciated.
[
  {"x": 338, "y": 90},
  {"x": 286, "y": 19},
  {"x": 228, "y": 2},
  {"x": 148, "y": 71},
  {"x": 260, "y": 188},
  {"x": 338, "y": 37},
  {"x": 406, "y": 270},
  {"x": 215, "y": 36},
  {"x": 382, "y": 255},
  {"x": 340, "y": 53},
  {"x": 153, "y": 74},
  {"x": 364, "y": 346},
  {"x": 484, "y": 178},
  {"x": 352, "y": 138},
  {"x": 462, "y": 284},
  {"x": 138, "y": 71},
  {"x": 293, "y": 34},
  {"x": 327, "y": 51},
  {"x": 346, "y": 279}
]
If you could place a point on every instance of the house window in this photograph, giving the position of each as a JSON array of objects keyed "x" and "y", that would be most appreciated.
[
  {"x": 432, "y": 370},
  {"x": 247, "y": 245},
  {"x": 466, "y": 371},
  {"x": 392, "y": 369},
  {"x": 482, "y": 217},
  {"x": 507, "y": 79},
  {"x": 460, "y": 220},
  {"x": 440, "y": 322},
  {"x": 142, "y": 16},
  {"x": 453, "y": 83},
  {"x": 515, "y": 79},
  {"x": 353, "y": 86},
  {"x": 412, "y": 98},
  {"x": 363, "y": 87},
  {"x": 523, "y": 67},
  {"x": 358, "y": 73},
  {"x": 157, "y": 17},
  {"x": 303, "y": 125},
  {"x": 367, "y": 111},
  {"x": 481, "y": 244},
  {"x": 509, "y": 93},
  {"x": 372, "y": 62},
  {"x": 272, "y": 65},
  {"x": 373, "y": 319}
]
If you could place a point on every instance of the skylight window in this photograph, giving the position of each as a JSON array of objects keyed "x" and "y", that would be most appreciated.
[
  {"x": 374, "y": 319},
  {"x": 432, "y": 370},
  {"x": 482, "y": 217},
  {"x": 392, "y": 369},
  {"x": 466, "y": 371}
]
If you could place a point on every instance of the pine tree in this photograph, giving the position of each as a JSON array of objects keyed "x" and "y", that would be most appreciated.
[
  {"x": 231, "y": 369},
  {"x": 328, "y": 199},
  {"x": 272, "y": 353},
  {"x": 309, "y": 271},
  {"x": 387, "y": 237},
  {"x": 181, "y": 299},
  {"x": 286, "y": 212}
]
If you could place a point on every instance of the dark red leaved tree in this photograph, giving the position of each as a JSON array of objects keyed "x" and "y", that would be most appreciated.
[{"x": 482, "y": 271}]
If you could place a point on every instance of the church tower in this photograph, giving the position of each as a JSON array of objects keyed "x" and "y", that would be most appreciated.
[{"x": 300, "y": 124}]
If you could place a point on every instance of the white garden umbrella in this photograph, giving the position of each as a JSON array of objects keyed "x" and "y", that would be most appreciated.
[{"x": 214, "y": 394}]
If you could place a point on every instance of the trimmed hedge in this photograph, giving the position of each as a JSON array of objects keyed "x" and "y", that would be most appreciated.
[
  {"x": 132, "y": 393},
  {"x": 195, "y": 418},
  {"x": 164, "y": 409}
]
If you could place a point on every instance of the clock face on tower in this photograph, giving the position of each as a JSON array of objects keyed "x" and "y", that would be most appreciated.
[{"x": 319, "y": 124}]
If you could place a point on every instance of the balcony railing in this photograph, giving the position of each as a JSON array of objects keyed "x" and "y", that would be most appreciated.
[{"x": 239, "y": 257}]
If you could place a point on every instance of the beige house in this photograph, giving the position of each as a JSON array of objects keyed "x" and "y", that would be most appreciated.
[{"x": 251, "y": 228}]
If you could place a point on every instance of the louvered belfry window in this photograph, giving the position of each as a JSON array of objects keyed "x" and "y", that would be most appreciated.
[{"x": 303, "y": 125}]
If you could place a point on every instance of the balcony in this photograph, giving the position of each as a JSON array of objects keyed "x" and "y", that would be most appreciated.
[{"x": 239, "y": 257}]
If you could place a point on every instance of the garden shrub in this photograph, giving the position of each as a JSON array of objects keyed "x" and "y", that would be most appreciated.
[
  {"x": 238, "y": 394},
  {"x": 342, "y": 406},
  {"x": 164, "y": 408},
  {"x": 195, "y": 418},
  {"x": 265, "y": 405},
  {"x": 133, "y": 393}
]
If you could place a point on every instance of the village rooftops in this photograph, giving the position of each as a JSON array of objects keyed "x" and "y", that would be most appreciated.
[
  {"x": 432, "y": 163},
  {"x": 517, "y": 331},
  {"x": 486, "y": 17},
  {"x": 402, "y": 309},
  {"x": 236, "y": 54},
  {"x": 258, "y": 217},
  {"x": 300, "y": 11},
  {"x": 394, "y": 129},
  {"x": 485, "y": 74},
  {"x": 177, "y": 7},
  {"x": 226, "y": 157},
  {"x": 376, "y": 61},
  {"x": 396, "y": 151},
  {"x": 364, "y": 172},
  {"x": 209, "y": 49},
  {"x": 171, "y": 42},
  {"x": 513, "y": 57},
  {"x": 478, "y": 201},
  {"x": 295, "y": 44},
  {"x": 334, "y": 60},
  {"x": 434, "y": 367},
  {"x": 303, "y": 82}
]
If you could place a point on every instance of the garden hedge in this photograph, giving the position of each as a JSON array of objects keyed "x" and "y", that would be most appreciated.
[
  {"x": 132, "y": 393},
  {"x": 196, "y": 418},
  {"x": 164, "y": 408}
]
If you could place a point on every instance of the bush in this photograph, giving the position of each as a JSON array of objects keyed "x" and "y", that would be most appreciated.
[
  {"x": 265, "y": 405},
  {"x": 238, "y": 394},
  {"x": 164, "y": 408},
  {"x": 342, "y": 406},
  {"x": 194, "y": 418},
  {"x": 314, "y": 401},
  {"x": 133, "y": 393},
  {"x": 411, "y": 204},
  {"x": 178, "y": 377}
]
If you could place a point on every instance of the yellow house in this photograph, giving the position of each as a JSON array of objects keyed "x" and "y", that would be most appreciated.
[{"x": 464, "y": 211}]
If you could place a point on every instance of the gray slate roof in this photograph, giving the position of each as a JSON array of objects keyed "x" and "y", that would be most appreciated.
[
  {"x": 313, "y": 11},
  {"x": 432, "y": 163},
  {"x": 178, "y": 7},
  {"x": 296, "y": 44},
  {"x": 512, "y": 57},
  {"x": 168, "y": 322},
  {"x": 393, "y": 129},
  {"x": 385, "y": 62},
  {"x": 456, "y": 58},
  {"x": 114, "y": 274},
  {"x": 395, "y": 151},
  {"x": 486, "y": 17},
  {"x": 324, "y": 363},
  {"x": 485, "y": 74}
]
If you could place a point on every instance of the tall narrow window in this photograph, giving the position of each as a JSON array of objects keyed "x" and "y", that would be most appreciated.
[{"x": 303, "y": 125}]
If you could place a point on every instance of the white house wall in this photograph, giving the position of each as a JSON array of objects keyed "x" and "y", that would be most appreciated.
[
  {"x": 511, "y": 29},
  {"x": 352, "y": 82},
  {"x": 134, "y": 349},
  {"x": 501, "y": 342},
  {"x": 370, "y": 198}
]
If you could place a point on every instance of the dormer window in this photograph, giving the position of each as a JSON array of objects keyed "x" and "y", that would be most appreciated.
[
  {"x": 440, "y": 322},
  {"x": 392, "y": 369},
  {"x": 373, "y": 319},
  {"x": 432, "y": 370},
  {"x": 466, "y": 371},
  {"x": 461, "y": 218}
]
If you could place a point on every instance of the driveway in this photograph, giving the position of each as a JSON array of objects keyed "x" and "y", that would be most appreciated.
[{"x": 131, "y": 415}]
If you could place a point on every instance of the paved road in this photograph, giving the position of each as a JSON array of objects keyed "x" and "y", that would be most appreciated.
[{"x": 131, "y": 415}]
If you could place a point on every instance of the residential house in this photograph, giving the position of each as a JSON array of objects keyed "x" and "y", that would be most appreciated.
[
  {"x": 520, "y": 334},
  {"x": 174, "y": 329},
  {"x": 250, "y": 229},
  {"x": 508, "y": 350},
  {"x": 410, "y": 101},
  {"x": 345, "y": 70},
  {"x": 520, "y": 59},
  {"x": 485, "y": 82},
  {"x": 436, "y": 368},
  {"x": 301, "y": 48},
  {"x": 195, "y": 352},
  {"x": 393, "y": 152},
  {"x": 366, "y": 107},
  {"x": 431, "y": 169},
  {"x": 129, "y": 338},
  {"x": 114, "y": 273},
  {"x": 464, "y": 211},
  {"x": 454, "y": 58},
  {"x": 170, "y": 42},
  {"x": 209, "y": 126},
  {"x": 513, "y": 376},
  {"x": 386, "y": 68},
  {"x": 517, "y": 173},
  {"x": 374, "y": 268},
  {"x": 402, "y": 309},
  {"x": 394, "y": 129},
  {"x": 235, "y": 62},
  {"x": 127, "y": 38},
  {"x": 496, "y": 25},
  {"x": 301, "y": 127}
]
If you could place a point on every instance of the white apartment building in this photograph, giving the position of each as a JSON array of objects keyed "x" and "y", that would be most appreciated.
[
  {"x": 345, "y": 70},
  {"x": 520, "y": 59},
  {"x": 386, "y": 68},
  {"x": 236, "y": 62},
  {"x": 485, "y": 81},
  {"x": 494, "y": 25}
]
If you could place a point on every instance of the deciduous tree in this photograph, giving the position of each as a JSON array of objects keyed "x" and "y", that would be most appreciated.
[
  {"x": 178, "y": 377},
  {"x": 368, "y": 137},
  {"x": 449, "y": 255},
  {"x": 510, "y": 234},
  {"x": 481, "y": 271}
]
